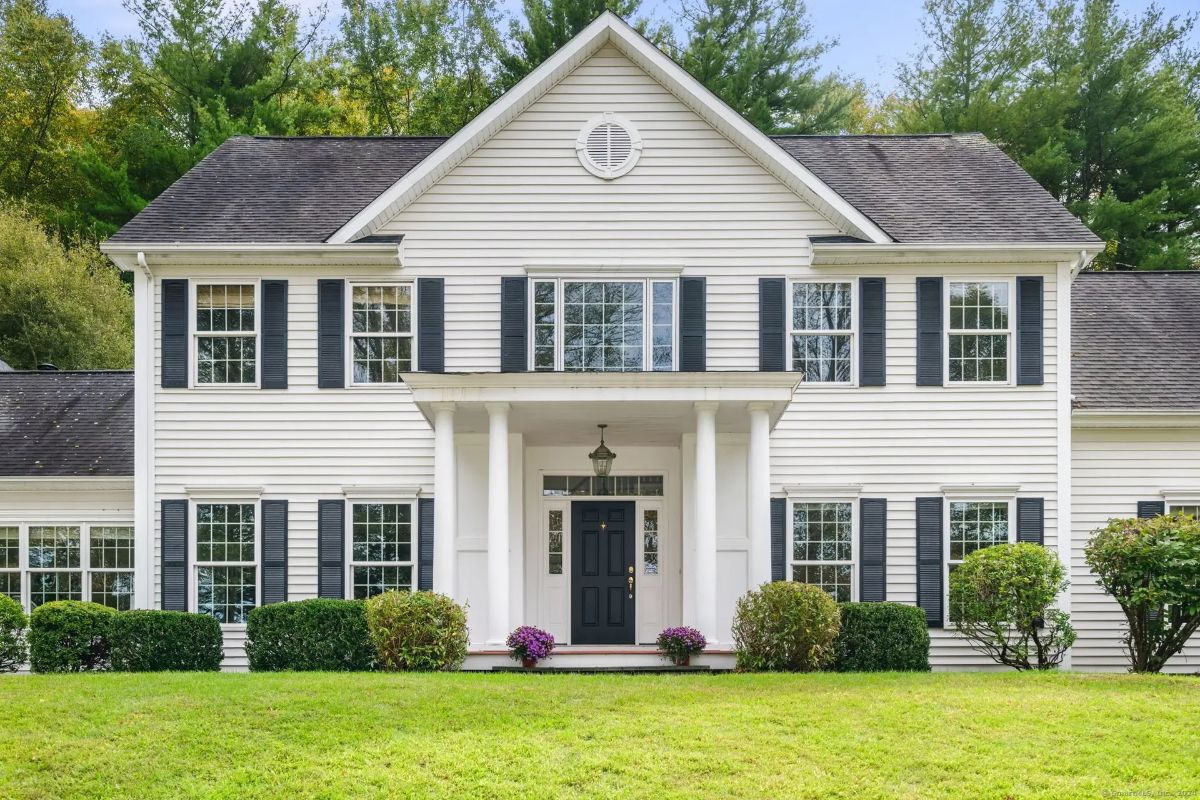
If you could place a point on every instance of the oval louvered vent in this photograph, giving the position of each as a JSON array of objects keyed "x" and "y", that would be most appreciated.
[{"x": 608, "y": 147}]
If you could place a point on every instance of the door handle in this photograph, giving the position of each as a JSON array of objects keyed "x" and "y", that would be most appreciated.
[{"x": 630, "y": 581}]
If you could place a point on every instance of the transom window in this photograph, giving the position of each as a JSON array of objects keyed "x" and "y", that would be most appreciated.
[
  {"x": 979, "y": 331},
  {"x": 226, "y": 334},
  {"x": 603, "y": 326},
  {"x": 595, "y": 486},
  {"x": 40, "y": 563},
  {"x": 381, "y": 332},
  {"x": 823, "y": 547},
  {"x": 226, "y": 561},
  {"x": 381, "y": 548},
  {"x": 974, "y": 525},
  {"x": 822, "y": 331}
]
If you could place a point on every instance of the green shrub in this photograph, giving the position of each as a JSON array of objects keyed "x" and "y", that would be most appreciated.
[
  {"x": 419, "y": 631},
  {"x": 310, "y": 635},
  {"x": 785, "y": 626},
  {"x": 1001, "y": 600},
  {"x": 1151, "y": 567},
  {"x": 158, "y": 641},
  {"x": 13, "y": 623},
  {"x": 69, "y": 636},
  {"x": 881, "y": 637}
]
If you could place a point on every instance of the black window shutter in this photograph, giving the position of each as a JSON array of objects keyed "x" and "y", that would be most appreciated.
[
  {"x": 425, "y": 544},
  {"x": 778, "y": 538},
  {"x": 1151, "y": 508},
  {"x": 1029, "y": 331},
  {"x": 929, "y": 332},
  {"x": 693, "y": 325},
  {"x": 514, "y": 324},
  {"x": 274, "y": 357},
  {"x": 772, "y": 315},
  {"x": 174, "y": 333},
  {"x": 331, "y": 334},
  {"x": 929, "y": 559},
  {"x": 872, "y": 331},
  {"x": 431, "y": 325},
  {"x": 274, "y": 551},
  {"x": 174, "y": 555},
  {"x": 331, "y": 548},
  {"x": 1031, "y": 520},
  {"x": 872, "y": 531}
]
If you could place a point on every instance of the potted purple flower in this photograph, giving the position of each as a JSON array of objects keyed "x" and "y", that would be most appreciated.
[
  {"x": 680, "y": 644},
  {"x": 530, "y": 645}
]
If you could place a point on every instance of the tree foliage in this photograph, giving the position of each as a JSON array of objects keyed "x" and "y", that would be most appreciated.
[
  {"x": 546, "y": 25},
  {"x": 1151, "y": 567},
  {"x": 1001, "y": 600}
]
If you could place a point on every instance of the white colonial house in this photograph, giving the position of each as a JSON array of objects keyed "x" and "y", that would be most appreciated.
[{"x": 380, "y": 363}]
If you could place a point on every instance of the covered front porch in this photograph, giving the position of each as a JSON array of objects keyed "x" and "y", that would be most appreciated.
[{"x": 527, "y": 534}]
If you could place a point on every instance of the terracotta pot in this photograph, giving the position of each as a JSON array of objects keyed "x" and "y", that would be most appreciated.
[
  {"x": 528, "y": 663},
  {"x": 683, "y": 662}
]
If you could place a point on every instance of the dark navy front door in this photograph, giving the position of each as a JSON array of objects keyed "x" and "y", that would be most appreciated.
[{"x": 602, "y": 554}]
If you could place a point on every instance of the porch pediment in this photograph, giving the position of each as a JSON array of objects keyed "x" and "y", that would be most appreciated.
[{"x": 641, "y": 407}]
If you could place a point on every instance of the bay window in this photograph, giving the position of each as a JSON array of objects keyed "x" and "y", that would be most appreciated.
[
  {"x": 381, "y": 549},
  {"x": 226, "y": 334},
  {"x": 979, "y": 331},
  {"x": 603, "y": 326},
  {"x": 823, "y": 547},
  {"x": 823, "y": 331},
  {"x": 77, "y": 561}
]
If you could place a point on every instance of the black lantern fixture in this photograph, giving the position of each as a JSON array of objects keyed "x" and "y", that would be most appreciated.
[{"x": 602, "y": 457}]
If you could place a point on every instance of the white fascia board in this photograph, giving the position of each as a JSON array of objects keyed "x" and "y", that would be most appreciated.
[
  {"x": 65, "y": 483},
  {"x": 1135, "y": 418},
  {"x": 609, "y": 28},
  {"x": 837, "y": 253},
  {"x": 126, "y": 256}
]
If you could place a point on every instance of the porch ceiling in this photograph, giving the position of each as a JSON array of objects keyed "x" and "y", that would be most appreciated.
[{"x": 641, "y": 408}]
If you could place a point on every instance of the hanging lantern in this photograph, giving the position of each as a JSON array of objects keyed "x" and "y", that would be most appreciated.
[{"x": 602, "y": 457}]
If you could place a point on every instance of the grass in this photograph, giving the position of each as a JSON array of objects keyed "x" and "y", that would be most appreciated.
[{"x": 524, "y": 736}]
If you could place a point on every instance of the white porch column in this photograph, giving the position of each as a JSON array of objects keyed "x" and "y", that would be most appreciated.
[
  {"x": 758, "y": 493},
  {"x": 445, "y": 506},
  {"x": 497, "y": 553},
  {"x": 705, "y": 574}
]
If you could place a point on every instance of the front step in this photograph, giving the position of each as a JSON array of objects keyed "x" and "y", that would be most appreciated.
[
  {"x": 590, "y": 658},
  {"x": 666, "y": 668}
]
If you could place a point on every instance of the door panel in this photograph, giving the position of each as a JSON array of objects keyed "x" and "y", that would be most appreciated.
[{"x": 603, "y": 551}]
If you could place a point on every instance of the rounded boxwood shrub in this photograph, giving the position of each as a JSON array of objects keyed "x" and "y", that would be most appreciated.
[
  {"x": 419, "y": 631},
  {"x": 69, "y": 636},
  {"x": 13, "y": 623},
  {"x": 785, "y": 626},
  {"x": 158, "y": 641},
  {"x": 310, "y": 635},
  {"x": 880, "y": 637}
]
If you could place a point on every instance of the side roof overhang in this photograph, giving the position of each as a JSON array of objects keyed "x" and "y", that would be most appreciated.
[{"x": 608, "y": 28}]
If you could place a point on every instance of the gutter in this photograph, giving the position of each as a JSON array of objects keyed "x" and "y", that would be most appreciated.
[
  {"x": 841, "y": 252},
  {"x": 129, "y": 256}
]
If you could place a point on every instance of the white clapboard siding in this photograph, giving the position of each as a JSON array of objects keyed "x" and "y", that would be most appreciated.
[
  {"x": 694, "y": 200},
  {"x": 1114, "y": 468},
  {"x": 902, "y": 441}
]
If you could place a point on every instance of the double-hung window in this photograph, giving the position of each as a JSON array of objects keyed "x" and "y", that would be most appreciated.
[
  {"x": 226, "y": 561},
  {"x": 381, "y": 332},
  {"x": 226, "y": 334},
  {"x": 41, "y": 563},
  {"x": 823, "y": 547},
  {"x": 381, "y": 548},
  {"x": 974, "y": 525},
  {"x": 603, "y": 326},
  {"x": 823, "y": 331},
  {"x": 55, "y": 563},
  {"x": 111, "y": 565},
  {"x": 979, "y": 331}
]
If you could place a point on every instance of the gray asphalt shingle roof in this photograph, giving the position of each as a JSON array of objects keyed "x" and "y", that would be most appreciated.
[
  {"x": 935, "y": 188},
  {"x": 66, "y": 424},
  {"x": 1136, "y": 340}
]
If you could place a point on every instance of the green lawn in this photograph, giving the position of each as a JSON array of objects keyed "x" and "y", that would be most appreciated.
[{"x": 616, "y": 736}]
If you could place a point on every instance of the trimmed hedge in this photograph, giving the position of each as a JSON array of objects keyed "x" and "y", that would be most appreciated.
[
  {"x": 880, "y": 637},
  {"x": 13, "y": 622},
  {"x": 160, "y": 641},
  {"x": 69, "y": 636},
  {"x": 310, "y": 635},
  {"x": 419, "y": 631}
]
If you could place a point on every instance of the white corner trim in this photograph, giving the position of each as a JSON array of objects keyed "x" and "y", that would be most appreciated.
[
  {"x": 215, "y": 492},
  {"x": 380, "y": 491},
  {"x": 608, "y": 28},
  {"x": 819, "y": 491},
  {"x": 980, "y": 490}
]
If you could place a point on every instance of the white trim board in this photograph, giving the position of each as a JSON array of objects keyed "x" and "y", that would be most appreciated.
[{"x": 608, "y": 28}]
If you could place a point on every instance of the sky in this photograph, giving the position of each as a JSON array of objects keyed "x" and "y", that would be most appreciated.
[{"x": 873, "y": 35}]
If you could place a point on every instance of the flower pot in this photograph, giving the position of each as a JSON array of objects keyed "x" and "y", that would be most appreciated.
[
  {"x": 682, "y": 661},
  {"x": 528, "y": 663}
]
